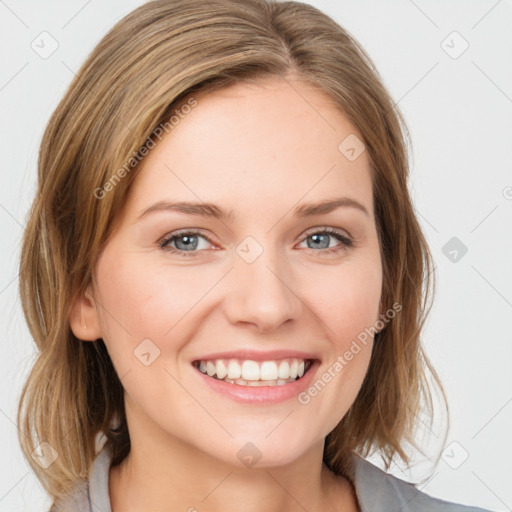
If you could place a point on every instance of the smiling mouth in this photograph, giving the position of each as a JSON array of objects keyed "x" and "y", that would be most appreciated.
[{"x": 255, "y": 373}]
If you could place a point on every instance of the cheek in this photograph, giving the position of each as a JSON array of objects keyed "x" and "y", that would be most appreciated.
[
  {"x": 146, "y": 300},
  {"x": 349, "y": 307},
  {"x": 347, "y": 303},
  {"x": 347, "y": 300}
]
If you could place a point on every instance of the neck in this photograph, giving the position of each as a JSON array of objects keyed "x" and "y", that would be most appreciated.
[{"x": 163, "y": 473}]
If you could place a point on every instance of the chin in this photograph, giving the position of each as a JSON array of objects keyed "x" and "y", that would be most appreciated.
[{"x": 276, "y": 450}]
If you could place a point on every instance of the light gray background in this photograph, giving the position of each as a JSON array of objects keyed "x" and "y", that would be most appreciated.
[{"x": 459, "y": 111}]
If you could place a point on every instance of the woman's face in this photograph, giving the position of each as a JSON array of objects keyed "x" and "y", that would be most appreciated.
[{"x": 258, "y": 285}]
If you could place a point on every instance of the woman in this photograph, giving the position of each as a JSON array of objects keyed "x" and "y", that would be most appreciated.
[{"x": 223, "y": 272}]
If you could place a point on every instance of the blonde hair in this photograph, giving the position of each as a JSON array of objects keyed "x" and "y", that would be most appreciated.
[{"x": 150, "y": 62}]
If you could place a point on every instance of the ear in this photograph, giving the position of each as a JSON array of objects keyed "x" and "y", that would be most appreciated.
[{"x": 84, "y": 318}]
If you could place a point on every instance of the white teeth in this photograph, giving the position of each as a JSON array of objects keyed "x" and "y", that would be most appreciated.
[
  {"x": 222, "y": 371},
  {"x": 250, "y": 370},
  {"x": 293, "y": 368},
  {"x": 262, "y": 383},
  {"x": 234, "y": 370},
  {"x": 269, "y": 370},
  {"x": 284, "y": 370},
  {"x": 253, "y": 373},
  {"x": 210, "y": 368}
]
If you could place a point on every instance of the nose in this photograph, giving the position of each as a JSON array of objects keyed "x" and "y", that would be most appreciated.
[{"x": 261, "y": 293}]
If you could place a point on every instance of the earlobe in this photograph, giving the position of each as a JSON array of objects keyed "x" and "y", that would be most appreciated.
[{"x": 84, "y": 319}]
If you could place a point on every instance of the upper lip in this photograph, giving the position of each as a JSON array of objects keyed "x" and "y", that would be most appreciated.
[{"x": 256, "y": 355}]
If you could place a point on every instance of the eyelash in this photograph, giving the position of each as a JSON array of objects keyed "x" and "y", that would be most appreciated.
[{"x": 346, "y": 242}]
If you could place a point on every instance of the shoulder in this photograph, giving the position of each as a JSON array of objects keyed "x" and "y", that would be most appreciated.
[
  {"x": 378, "y": 491},
  {"x": 90, "y": 495},
  {"x": 77, "y": 501}
]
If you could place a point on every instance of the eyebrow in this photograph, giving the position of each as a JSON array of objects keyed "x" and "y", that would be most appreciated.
[{"x": 214, "y": 211}]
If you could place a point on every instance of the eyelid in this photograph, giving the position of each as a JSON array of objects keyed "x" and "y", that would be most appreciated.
[{"x": 328, "y": 229}]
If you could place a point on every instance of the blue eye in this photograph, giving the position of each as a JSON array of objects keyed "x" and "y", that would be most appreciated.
[
  {"x": 321, "y": 238},
  {"x": 188, "y": 240},
  {"x": 187, "y": 243}
]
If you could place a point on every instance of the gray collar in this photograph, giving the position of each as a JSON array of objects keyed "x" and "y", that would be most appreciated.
[{"x": 376, "y": 490}]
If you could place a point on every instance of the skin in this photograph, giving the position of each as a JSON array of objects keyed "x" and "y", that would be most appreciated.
[{"x": 257, "y": 150}]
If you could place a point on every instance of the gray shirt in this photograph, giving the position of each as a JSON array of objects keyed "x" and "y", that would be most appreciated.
[{"x": 376, "y": 491}]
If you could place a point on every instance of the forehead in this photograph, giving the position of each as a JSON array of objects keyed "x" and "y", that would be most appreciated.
[{"x": 255, "y": 145}]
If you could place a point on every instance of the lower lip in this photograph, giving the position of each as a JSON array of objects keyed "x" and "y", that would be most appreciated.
[{"x": 266, "y": 394}]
